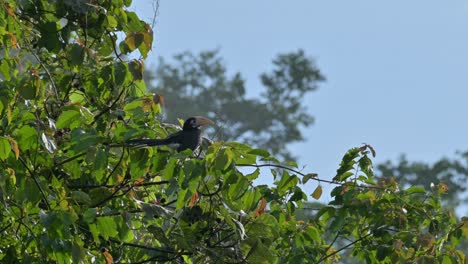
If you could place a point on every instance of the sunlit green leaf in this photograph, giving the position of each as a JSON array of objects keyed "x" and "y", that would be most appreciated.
[
  {"x": 259, "y": 152},
  {"x": 5, "y": 148},
  {"x": 107, "y": 227},
  {"x": 415, "y": 189},
  {"x": 69, "y": 119}
]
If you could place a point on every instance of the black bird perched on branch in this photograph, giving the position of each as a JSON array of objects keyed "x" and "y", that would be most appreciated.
[{"x": 188, "y": 138}]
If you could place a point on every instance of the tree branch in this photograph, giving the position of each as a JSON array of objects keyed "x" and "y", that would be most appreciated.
[
  {"x": 44, "y": 197},
  {"x": 115, "y": 168},
  {"x": 343, "y": 248},
  {"x": 112, "y": 196},
  {"x": 303, "y": 175},
  {"x": 107, "y": 109},
  {"x": 145, "y": 184},
  {"x": 70, "y": 159}
]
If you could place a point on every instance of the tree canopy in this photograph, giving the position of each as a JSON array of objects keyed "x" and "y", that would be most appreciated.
[
  {"x": 68, "y": 196},
  {"x": 452, "y": 172}
]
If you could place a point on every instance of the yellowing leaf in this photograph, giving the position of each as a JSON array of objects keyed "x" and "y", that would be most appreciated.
[
  {"x": 442, "y": 187},
  {"x": 193, "y": 200},
  {"x": 107, "y": 256},
  {"x": 9, "y": 10},
  {"x": 146, "y": 104},
  {"x": 14, "y": 147},
  {"x": 317, "y": 192},
  {"x": 261, "y": 207}
]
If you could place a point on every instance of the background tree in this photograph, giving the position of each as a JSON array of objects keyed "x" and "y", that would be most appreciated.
[
  {"x": 67, "y": 196},
  {"x": 200, "y": 84},
  {"x": 452, "y": 172}
]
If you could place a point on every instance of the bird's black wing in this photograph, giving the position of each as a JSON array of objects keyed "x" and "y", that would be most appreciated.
[{"x": 171, "y": 139}]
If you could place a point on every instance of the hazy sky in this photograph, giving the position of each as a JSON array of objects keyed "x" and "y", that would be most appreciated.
[{"x": 397, "y": 71}]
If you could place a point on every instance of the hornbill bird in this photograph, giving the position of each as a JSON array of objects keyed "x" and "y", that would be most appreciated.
[{"x": 188, "y": 138}]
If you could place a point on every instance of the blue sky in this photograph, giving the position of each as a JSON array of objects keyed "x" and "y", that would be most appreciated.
[{"x": 397, "y": 71}]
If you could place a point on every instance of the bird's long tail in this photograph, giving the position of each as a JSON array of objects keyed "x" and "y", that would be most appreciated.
[
  {"x": 146, "y": 142},
  {"x": 139, "y": 143}
]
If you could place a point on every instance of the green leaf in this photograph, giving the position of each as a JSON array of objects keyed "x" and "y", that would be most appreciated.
[
  {"x": 338, "y": 223},
  {"x": 135, "y": 104},
  {"x": 223, "y": 159},
  {"x": 309, "y": 176},
  {"x": 168, "y": 172},
  {"x": 136, "y": 69},
  {"x": 264, "y": 227},
  {"x": 260, "y": 253},
  {"x": 69, "y": 119},
  {"x": 26, "y": 137},
  {"x": 107, "y": 227},
  {"x": 415, "y": 189},
  {"x": 76, "y": 54},
  {"x": 111, "y": 21},
  {"x": 254, "y": 175},
  {"x": 291, "y": 164},
  {"x": 82, "y": 139},
  {"x": 138, "y": 88},
  {"x": 122, "y": 75},
  {"x": 286, "y": 183},
  {"x": 5, "y": 148},
  {"x": 259, "y": 152},
  {"x": 89, "y": 215},
  {"x": 27, "y": 90},
  {"x": 140, "y": 162},
  {"x": 81, "y": 197},
  {"x": 159, "y": 234},
  {"x": 344, "y": 176},
  {"x": 365, "y": 164},
  {"x": 78, "y": 253},
  {"x": 153, "y": 210},
  {"x": 5, "y": 70},
  {"x": 100, "y": 164},
  {"x": 383, "y": 252}
]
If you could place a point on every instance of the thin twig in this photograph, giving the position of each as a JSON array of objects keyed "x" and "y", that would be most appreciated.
[
  {"x": 52, "y": 81},
  {"x": 44, "y": 197},
  {"x": 148, "y": 247},
  {"x": 145, "y": 184},
  {"x": 113, "y": 46},
  {"x": 107, "y": 109},
  {"x": 70, "y": 159},
  {"x": 343, "y": 248},
  {"x": 112, "y": 196},
  {"x": 115, "y": 168}
]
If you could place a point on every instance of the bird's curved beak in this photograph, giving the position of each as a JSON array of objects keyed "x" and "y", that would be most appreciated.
[{"x": 203, "y": 121}]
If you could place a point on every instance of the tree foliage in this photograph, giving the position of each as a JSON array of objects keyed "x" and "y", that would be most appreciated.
[
  {"x": 452, "y": 172},
  {"x": 67, "y": 196},
  {"x": 201, "y": 84}
]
